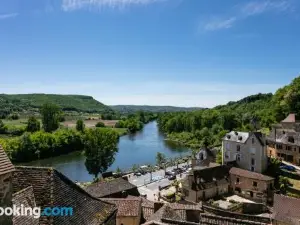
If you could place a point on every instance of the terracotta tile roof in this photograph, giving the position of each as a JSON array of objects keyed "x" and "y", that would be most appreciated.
[
  {"x": 26, "y": 198},
  {"x": 286, "y": 209},
  {"x": 165, "y": 212},
  {"x": 51, "y": 188},
  {"x": 5, "y": 164},
  {"x": 126, "y": 207},
  {"x": 105, "y": 188},
  {"x": 248, "y": 174}
]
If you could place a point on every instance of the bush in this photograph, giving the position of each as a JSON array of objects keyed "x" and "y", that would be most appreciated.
[
  {"x": 80, "y": 125},
  {"x": 33, "y": 124},
  {"x": 14, "y": 116},
  {"x": 3, "y": 128},
  {"x": 100, "y": 124}
]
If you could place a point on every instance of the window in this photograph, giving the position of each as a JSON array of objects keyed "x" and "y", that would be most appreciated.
[
  {"x": 288, "y": 148},
  {"x": 238, "y": 148},
  {"x": 226, "y": 155},
  {"x": 291, "y": 139},
  {"x": 252, "y": 168},
  {"x": 237, "y": 180},
  {"x": 252, "y": 161},
  {"x": 238, "y": 157},
  {"x": 270, "y": 152},
  {"x": 253, "y": 141},
  {"x": 237, "y": 189},
  {"x": 254, "y": 184},
  {"x": 279, "y": 146}
]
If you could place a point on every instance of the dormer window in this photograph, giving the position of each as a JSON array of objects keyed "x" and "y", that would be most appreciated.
[
  {"x": 291, "y": 139},
  {"x": 236, "y": 133},
  {"x": 228, "y": 136},
  {"x": 240, "y": 138}
]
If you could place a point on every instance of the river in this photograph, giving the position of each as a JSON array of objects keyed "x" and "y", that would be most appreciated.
[{"x": 139, "y": 148}]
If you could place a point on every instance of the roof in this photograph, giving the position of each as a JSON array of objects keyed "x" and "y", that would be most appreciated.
[
  {"x": 126, "y": 207},
  {"x": 51, "y": 188},
  {"x": 205, "y": 177},
  {"x": 5, "y": 164},
  {"x": 165, "y": 212},
  {"x": 284, "y": 136},
  {"x": 106, "y": 188},
  {"x": 291, "y": 118},
  {"x": 248, "y": 174},
  {"x": 291, "y": 210},
  {"x": 26, "y": 198},
  {"x": 236, "y": 136}
]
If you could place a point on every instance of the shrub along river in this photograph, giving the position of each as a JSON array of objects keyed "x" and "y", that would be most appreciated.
[{"x": 139, "y": 148}]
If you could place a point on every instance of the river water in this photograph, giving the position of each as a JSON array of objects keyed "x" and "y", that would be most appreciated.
[{"x": 139, "y": 148}]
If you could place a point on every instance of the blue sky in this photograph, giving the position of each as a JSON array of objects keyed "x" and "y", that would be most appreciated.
[{"x": 155, "y": 52}]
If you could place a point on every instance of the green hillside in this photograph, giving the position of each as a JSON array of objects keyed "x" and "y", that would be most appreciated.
[
  {"x": 126, "y": 109},
  {"x": 26, "y": 103}
]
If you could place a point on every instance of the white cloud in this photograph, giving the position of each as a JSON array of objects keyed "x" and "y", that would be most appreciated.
[
  {"x": 259, "y": 7},
  {"x": 8, "y": 15},
  {"x": 71, "y": 5},
  {"x": 220, "y": 24},
  {"x": 150, "y": 93},
  {"x": 252, "y": 8}
]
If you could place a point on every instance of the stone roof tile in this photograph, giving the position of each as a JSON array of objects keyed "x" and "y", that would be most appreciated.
[{"x": 5, "y": 164}]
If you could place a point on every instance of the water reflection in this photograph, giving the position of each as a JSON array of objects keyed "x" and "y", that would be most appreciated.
[{"x": 139, "y": 148}]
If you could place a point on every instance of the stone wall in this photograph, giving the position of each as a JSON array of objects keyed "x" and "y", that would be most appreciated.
[{"x": 6, "y": 196}]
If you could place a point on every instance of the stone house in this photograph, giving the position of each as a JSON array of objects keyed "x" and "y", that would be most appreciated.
[
  {"x": 251, "y": 185},
  {"x": 206, "y": 183},
  {"x": 6, "y": 170},
  {"x": 116, "y": 188},
  {"x": 203, "y": 158},
  {"x": 286, "y": 210},
  {"x": 245, "y": 150},
  {"x": 129, "y": 210},
  {"x": 284, "y": 140}
]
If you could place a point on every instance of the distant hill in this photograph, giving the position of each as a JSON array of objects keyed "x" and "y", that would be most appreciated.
[
  {"x": 147, "y": 108},
  {"x": 32, "y": 103}
]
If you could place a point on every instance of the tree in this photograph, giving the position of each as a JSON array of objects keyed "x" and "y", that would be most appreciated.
[
  {"x": 80, "y": 125},
  {"x": 100, "y": 124},
  {"x": 50, "y": 117},
  {"x": 33, "y": 124},
  {"x": 151, "y": 169},
  {"x": 3, "y": 128},
  {"x": 284, "y": 183},
  {"x": 118, "y": 170},
  {"x": 219, "y": 157},
  {"x": 100, "y": 149},
  {"x": 160, "y": 158},
  {"x": 134, "y": 168}
]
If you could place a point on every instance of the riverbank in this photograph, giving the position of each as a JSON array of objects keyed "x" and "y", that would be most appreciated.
[{"x": 138, "y": 148}]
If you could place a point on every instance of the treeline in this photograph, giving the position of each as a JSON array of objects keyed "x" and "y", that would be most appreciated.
[
  {"x": 135, "y": 122},
  {"x": 206, "y": 127}
]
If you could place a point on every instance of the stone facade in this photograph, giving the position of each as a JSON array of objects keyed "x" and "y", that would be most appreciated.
[
  {"x": 253, "y": 186},
  {"x": 6, "y": 196},
  {"x": 284, "y": 140},
  {"x": 247, "y": 150}
]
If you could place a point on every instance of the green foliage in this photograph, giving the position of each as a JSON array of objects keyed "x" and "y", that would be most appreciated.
[
  {"x": 3, "y": 128},
  {"x": 38, "y": 145},
  {"x": 100, "y": 124},
  {"x": 160, "y": 158},
  {"x": 283, "y": 184},
  {"x": 131, "y": 109},
  {"x": 100, "y": 148},
  {"x": 13, "y": 116},
  {"x": 33, "y": 124},
  {"x": 219, "y": 157},
  {"x": 80, "y": 125},
  {"x": 33, "y": 102},
  {"x": 50, "y": 117}
]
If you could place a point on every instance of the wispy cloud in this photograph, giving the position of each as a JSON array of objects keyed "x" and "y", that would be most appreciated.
[
  {"x": 71, "y": 5},
  {"x": 250, "y": 9},
  {"x": 259, "y": 7},
  {"x": 8, "y": 15},
  {"x": 218, "y": 24}
]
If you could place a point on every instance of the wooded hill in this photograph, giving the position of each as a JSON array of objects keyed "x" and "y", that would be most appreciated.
[
  {"x": 28, "y": 103},
  {"x": 127, "y": 109}
]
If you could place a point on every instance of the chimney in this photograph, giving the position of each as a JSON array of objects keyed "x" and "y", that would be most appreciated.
[{"x": 157, "y": 206}]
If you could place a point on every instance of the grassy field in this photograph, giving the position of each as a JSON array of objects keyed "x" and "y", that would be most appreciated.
[
  {"x": 90, "y": 123},
  {"x": 121, "y": 131},
  {"x": 17, "y": 123}
]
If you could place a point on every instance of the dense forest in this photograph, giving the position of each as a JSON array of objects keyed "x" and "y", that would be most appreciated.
[
  {"x": 208, "y": 126},
  {"x": 128, "y": 109},
  {"x": 30, "y": 103}
]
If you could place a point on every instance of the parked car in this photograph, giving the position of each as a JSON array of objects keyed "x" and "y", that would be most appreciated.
[
  {"x": 169, "y": 173},
  {"x": 137, "y": 174},
  {"x": 172, "y": 177},
  {"x": 287, "y": 167}
]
